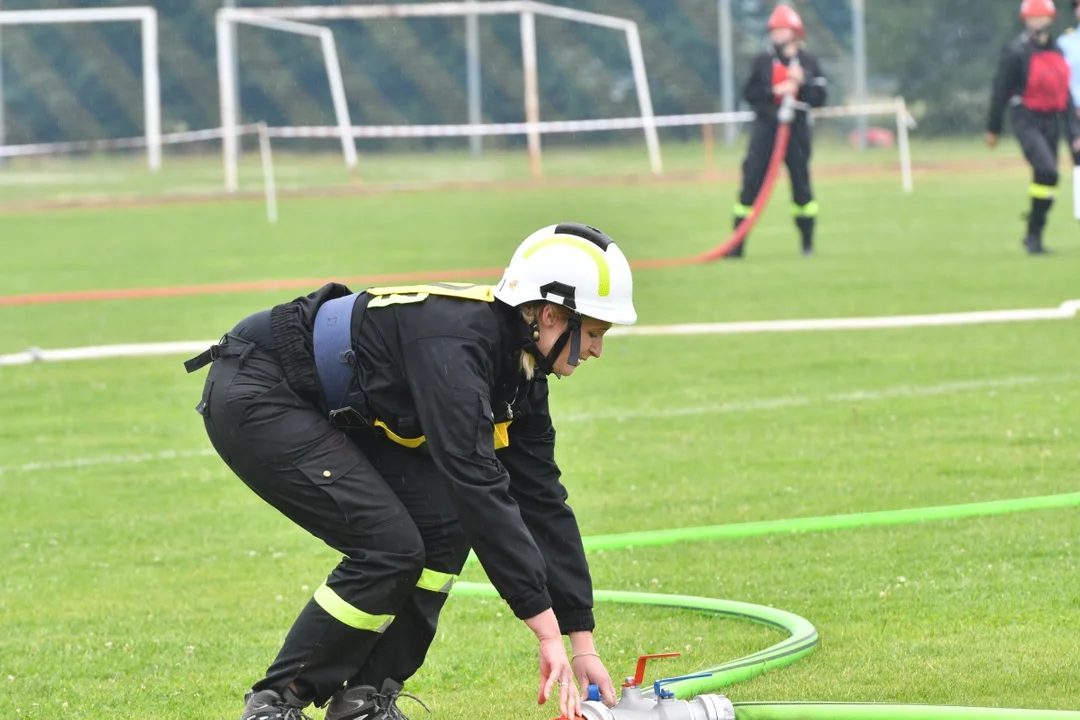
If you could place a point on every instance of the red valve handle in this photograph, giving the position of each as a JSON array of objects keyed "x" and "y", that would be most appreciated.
[{"x": 639, "y": 674}]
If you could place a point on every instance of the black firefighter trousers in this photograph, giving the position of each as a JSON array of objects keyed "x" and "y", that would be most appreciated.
[
  {"x": 1038, "y": 134},
  {"x": 384, "y": 508},
  {"x": 756, "y": 165}
]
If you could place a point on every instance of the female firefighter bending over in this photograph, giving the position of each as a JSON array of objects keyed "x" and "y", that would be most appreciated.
[{"x": 402, "y": 426}]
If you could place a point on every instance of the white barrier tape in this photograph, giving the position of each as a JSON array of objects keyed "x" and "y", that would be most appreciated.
[
  {"x": 1067, "y": 310},
  {"x": 558, "y": 126},
  {"x": 793, "y": 401},
  {"x": 84, "y": 462},
  {"x": 100, "y": 352},
  {"x": 117, "y": 143},
  {"x": 419, "y": 131}
]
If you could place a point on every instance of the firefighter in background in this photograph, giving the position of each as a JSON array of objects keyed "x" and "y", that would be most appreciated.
[
  {"x": 1070, "y": 46},
  {"x": 784, "y": 69},
  {"x": 1033, "y": 82}
]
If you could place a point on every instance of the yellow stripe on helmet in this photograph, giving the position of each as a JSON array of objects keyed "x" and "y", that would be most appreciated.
[{"x": 581, "y": 244}]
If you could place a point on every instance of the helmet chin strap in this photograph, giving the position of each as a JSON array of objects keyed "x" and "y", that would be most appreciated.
[{"x": 572, "y": 334}]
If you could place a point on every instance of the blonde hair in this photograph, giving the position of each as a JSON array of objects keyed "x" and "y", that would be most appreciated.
[{"x": 530, "y": 312}]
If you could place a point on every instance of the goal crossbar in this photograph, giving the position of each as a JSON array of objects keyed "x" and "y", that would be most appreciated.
[
  {"x": 147, "y": 17},
  {"x": 441, "y": 9}
]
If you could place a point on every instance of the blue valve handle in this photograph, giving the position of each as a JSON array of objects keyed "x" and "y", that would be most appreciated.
[
  {"x": 660, "y": 693},
  {"x": 594, "y": 693}
]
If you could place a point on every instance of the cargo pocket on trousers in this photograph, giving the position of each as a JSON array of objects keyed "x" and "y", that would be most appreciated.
[
  {"x": 338, "y": 468},
  {"x": 332, "y": 458}
]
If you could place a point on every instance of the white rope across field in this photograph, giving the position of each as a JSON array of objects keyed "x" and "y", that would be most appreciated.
[
  {"x": 568, "y": 126},
  {"x": 348, "y": 134},
  {"x": 460, "y": 130},
  {"x": 1066, "y": 311},
  {"x": 75, "y": 146}
]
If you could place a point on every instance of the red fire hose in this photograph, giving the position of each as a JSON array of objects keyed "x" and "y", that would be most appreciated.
[{"x": 786, "y": 114}]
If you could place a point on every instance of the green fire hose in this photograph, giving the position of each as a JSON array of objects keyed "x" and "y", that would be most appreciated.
[{"x": 802, "y": 636}]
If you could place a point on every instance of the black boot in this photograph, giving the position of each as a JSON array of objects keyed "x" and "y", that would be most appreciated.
[
  {"x": 269, "y": 705},
  {"x": 1036, "y": 222},
  {"x": 737, "y": 251},
  {"x": 806, "y": 230},
  {"x": 1034, "y": 245},
  {"x": 364, "y": 703}
]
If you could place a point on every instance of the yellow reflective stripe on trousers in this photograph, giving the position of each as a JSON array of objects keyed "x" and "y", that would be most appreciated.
[
  {"x": 808, "y": 210},
  {"x": 435, "y": 581},
  {"x": 345, "y": 613},
  {"x": 1042, "y": 192},
  {"x": 743, "y": 210}
]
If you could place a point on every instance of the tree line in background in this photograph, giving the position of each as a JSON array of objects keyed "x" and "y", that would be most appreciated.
[
  {"x": 84, "y": 81},
  {"x": 942, "y": 56}
]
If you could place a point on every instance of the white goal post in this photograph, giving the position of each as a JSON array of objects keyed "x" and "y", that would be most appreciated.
[
  {"x": 147, "y": 17},
  {"x": 287, "y": 19},
  {"x": 226, "y": 18}
]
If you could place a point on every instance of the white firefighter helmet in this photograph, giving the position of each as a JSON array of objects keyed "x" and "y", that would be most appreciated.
[{"x": 573, "y": 265}]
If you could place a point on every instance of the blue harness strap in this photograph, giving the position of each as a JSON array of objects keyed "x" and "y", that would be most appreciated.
[{"x": 332, "y": 340}]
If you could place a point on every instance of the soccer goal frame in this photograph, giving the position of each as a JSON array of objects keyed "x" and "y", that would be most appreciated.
[
  {"x": 294, "y": 19},
  {"x": 227, "y": 19},
  {"x": 147, "y": 18}
]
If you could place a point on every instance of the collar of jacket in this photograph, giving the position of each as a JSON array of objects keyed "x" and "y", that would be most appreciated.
[{"x": 511, "y": 386}]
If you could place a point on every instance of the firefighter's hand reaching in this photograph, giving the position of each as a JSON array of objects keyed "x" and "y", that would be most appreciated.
[
  {"x": 556, "y": 677},
  {"x": 787, "y": 87},
  {"x": 796, "y": 74},
  {"x": 590, "y": 670},
  {"x": 991, "y": 140}
]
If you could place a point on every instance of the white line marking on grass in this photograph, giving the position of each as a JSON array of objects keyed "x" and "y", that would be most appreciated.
[
  {"x": 106, "y": 460},
  {"x": 100, "y": 352},
  {"x": 1065, "y": 311},
  {"x": 778, "y": 403},
  {"x": 734, "y": 406},
  {"x": 20, "y": 179}
]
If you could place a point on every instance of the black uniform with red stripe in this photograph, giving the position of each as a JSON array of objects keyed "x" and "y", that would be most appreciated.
[
  {"x": 1032, "y": 82},
  {"x": 403, "y": 479},
  {"x": 769, "y": 69}
]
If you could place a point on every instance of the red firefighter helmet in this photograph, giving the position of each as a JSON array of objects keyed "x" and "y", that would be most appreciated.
[
  {"x": 1037, "y": 8},
  {"x": 786, "y": 17}
]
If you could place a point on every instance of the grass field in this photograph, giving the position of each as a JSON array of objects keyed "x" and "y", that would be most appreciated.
[{"x": 142, "y": 585}]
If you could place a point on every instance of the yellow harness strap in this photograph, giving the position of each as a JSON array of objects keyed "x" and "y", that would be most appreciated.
[{"x": 407, "y": 294}]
